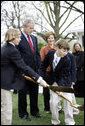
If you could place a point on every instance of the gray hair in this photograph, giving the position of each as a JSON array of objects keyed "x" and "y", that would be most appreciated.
[{"x": 27, "y": 21}]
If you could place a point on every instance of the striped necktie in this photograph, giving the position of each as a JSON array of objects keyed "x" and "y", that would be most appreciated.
[{"x": 54, "y": 63}]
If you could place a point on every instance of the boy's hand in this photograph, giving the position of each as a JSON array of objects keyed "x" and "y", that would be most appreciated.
[{"x": 43, "y": 83}]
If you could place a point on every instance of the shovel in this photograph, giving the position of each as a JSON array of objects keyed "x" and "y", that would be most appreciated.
[{"x": 60, "y": 89}]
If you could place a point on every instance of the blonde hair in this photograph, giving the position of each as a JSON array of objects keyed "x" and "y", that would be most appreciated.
[
  {"x": 50, "y": 33},
  {"x": 11, "y": 34},
  {"x": 74, "y": 50},
  {"x": 62, "y": 43}
]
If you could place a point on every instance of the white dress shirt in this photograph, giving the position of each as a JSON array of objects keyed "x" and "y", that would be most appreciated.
[{"x": 27, "y": 37}]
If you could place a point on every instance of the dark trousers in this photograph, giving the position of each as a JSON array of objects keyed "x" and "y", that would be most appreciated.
[
  {"x": 32, "y": 88},
  {"x": 46, "y": 95},
  {"x": 79, "y": 89}
]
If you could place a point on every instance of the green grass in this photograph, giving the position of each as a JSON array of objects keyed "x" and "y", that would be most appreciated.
[{"x": 46, "y": 119}]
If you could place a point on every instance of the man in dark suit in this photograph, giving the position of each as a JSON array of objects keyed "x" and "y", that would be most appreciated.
[
  {"x": 59, "y": 75},
  {"x": 11, "y": 63},
  {"x": 28, "y": 48}
]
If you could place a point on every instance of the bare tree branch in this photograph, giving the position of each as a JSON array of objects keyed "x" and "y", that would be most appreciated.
[
  {"x": 46, "y": 5},
  {"x": 70, "y": 23},
  {"x": 78, "y": 10},
  {"x": 65, "y": 19},
  {"x": 41, "y": 13},
  {"x": 52, "y": 16}
]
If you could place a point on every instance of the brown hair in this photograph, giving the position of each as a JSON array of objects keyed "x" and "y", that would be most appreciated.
[
  {"x": 11, "y": 34},
  {"x": 50, "y": 33},
  {"x": 62, "y": 43},
  {"x": 74, "y": 50}
]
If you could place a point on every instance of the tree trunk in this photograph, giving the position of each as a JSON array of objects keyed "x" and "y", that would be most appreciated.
[{"x": 57, "y": 15}]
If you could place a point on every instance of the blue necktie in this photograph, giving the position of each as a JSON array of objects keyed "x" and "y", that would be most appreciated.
[{"x": 54, "y": 64}]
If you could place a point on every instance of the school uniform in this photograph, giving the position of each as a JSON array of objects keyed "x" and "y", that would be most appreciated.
[
  {"x": 59, "y": 75},
  {"x": 11, "y": 63}
]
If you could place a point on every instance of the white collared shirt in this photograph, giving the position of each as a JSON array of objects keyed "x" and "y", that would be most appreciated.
[
  {"x": 26, "y": 36},
  {"x": 12, "y": 43}
]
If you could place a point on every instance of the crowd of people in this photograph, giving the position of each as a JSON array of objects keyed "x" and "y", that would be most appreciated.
[{"x": 54, "y": 65}]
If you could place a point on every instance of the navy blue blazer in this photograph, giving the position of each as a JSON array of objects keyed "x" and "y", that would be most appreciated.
[
  {"x": 73, "y": 67},
  {"x": 62, "y": 71},
  {"x": 11, "y": 64},
  {"x": 34, "y": 61}
]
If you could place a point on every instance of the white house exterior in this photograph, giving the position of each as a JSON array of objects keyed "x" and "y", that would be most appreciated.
[{"x": 78, "y": 31}]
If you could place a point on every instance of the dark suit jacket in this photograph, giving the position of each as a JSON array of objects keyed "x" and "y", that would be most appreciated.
[
  {"x": 62, "y": 70},
  {"x": 73, "y": 67},
  {"x": 33, "y": 61},
  {"x": 11, "y": 62},
  {"x": 79, "y": 56}
]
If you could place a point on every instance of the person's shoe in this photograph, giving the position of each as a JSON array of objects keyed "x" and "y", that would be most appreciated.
[
  {"x": 25, "y": 117},
  {"x": 54, "y": 124},
  {"x": 37, "y": 115},
  {"x": 75, "y": 114},
  {"x": 61, "y": 110},
  {"x": 47, "y": 112}
]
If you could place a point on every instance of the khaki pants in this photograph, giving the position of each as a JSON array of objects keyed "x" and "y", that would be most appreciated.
[
  {"x": 75, "y": 110},
  {"x": 6, "y": 107},
  {"x": 68, "y": 109}
]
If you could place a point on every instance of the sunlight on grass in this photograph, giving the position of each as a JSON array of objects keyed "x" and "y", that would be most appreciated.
[{"x": 46, "y": 119}]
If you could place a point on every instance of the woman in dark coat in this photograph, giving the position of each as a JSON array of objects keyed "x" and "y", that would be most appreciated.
[{"x": 79, "y": 55}]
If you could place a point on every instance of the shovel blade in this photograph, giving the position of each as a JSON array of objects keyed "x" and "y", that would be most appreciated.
[{"x": 61, "y": 89}]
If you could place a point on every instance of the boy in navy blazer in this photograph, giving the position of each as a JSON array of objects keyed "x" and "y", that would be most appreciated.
[
  {"x": 11, "y": 63},
  {"x": 59, "y": 75}
]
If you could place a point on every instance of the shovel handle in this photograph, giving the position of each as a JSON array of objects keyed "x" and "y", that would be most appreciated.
[
  {"x": 30, "y": 79},
  {"x": 73, "y": 105}
]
